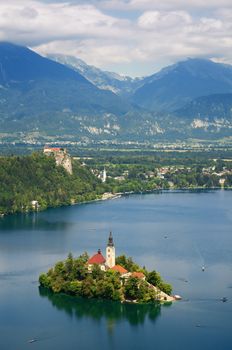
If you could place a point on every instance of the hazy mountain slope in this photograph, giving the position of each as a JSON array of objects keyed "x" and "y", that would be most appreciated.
[
  {"x": 121, "y": 85},
  {"x": 43, "y": 99},
  {"x": 19, "y": 64},
  {"x": 178, "y": 84},
  {"x": 33, "y": 87},
  {"x": 208, "y": 107}
]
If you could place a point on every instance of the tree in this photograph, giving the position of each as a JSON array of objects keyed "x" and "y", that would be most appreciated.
[
  {"x": 131, "y": 288},
  {"x": 88, "y": 288},
  {"x": 69, "y": 264},
  {"x": 44, "y": 280},
  {"x": 154, "y": 278},
  {"x": 80, "y": 270},
  {"x": 127, "y": 263},
  {"x": 97, "y": 273}
]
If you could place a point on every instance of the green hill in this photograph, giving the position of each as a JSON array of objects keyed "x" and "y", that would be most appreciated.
[{"x": 37, "y": 178}]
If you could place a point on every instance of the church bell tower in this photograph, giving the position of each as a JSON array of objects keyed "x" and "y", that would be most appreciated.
[{"x": 110, "y": 252}]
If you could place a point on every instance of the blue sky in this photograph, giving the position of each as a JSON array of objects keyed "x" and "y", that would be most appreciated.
[{"x": 132, "y": 37}]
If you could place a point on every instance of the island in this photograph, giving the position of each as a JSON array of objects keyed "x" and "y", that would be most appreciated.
[{"x": 115, "y": 278}]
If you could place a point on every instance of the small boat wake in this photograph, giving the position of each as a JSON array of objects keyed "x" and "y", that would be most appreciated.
[{"x": 40, "y": 338}]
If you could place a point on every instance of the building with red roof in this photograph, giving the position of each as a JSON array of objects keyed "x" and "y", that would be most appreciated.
[
  {"x": 109, "y": 262},
  {"x": 119, "y": 269},
  {"x": 97, "y": 259},
  {"x": 139, "y": 275}
]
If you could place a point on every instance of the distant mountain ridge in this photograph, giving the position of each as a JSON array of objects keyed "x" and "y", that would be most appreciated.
[
  {"x": 37, "y": 92},
  {"x": 44, "y": 99},
  {"x": 210, "y": 107},
  {"x": 177, "y": 85},
  {"x": 18, "y": 64},
  {"x": 171, "y": 88},
  {"x": 121, "y": 85}
]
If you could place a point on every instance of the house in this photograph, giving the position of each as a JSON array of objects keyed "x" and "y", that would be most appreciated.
[
  {"x": 120, "y": 269},
  {"x": 139, "y": 275},
  {"x": 35, "y": 205}
]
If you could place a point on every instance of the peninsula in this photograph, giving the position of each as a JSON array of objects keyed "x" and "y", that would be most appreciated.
[{"x": 110, "y": 277}]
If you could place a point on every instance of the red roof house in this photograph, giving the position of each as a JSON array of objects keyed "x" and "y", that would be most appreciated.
[
  {"x": 138, "y": 275},
  {"x": 52, "y": 149},
  {"x": 119, "y": 269}
]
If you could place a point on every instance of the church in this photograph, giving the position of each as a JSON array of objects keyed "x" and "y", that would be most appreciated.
[
  {"x": 99, "y": 259},
  {"x": 108, "y": 262}
]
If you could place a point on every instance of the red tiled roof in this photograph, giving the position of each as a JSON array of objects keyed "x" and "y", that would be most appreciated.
[
  {"x": 52, "y": 149},
  {"x": 138, "y": 274},
  {"x": 119, "y": 268},
  {"x": 97, "y": 259}
]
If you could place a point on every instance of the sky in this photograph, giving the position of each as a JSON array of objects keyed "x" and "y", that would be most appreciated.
[{"x": 131, "y": 37}]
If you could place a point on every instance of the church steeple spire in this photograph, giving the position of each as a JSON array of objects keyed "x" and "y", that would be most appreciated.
[
  {"x": 110, "y": 240},
  {"x": 110, "y": 252}
]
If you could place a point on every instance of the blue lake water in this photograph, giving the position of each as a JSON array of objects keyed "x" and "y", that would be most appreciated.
[{"x": 175, "y": 233}]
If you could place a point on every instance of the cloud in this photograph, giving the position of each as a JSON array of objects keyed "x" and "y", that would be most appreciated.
[
  {"x": 157, "y": 20},
  {"x": 164, "y": 5},
  {"x": 35, "y": 21},
  {"x": 159, "y": 33}
]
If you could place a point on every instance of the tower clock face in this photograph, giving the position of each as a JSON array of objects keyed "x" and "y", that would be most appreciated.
[{"x": 109, "y": 250}]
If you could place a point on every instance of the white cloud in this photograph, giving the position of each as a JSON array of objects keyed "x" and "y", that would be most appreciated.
[
  {"x": 164, "y": 5},
  {"x": 32, "y": 20},
  {"x": 158, "y": 20},
  {"x": 153, "y": 37}
]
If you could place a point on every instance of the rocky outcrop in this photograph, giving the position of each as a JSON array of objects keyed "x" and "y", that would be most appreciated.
[{"x": 61, "y": 156}]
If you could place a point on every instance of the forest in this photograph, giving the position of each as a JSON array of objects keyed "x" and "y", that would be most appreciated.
[{"x": 36, "y": 177}]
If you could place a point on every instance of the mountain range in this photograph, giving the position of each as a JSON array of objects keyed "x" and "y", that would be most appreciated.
[
  {"x": 62, "y": 96},
  {"x": 119, "y": 84},
  {"x": 168, "y": 90}
]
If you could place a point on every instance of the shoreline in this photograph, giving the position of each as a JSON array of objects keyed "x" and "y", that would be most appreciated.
[
  {"x": 164, "y": 298},
  {"x": 110, "y": 195}
]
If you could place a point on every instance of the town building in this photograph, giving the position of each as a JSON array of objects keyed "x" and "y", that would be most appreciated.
[
  {"x": 119, "y": 269},
  {"x": 35, "y": 205},
  {"x": 104, "y": 175}
]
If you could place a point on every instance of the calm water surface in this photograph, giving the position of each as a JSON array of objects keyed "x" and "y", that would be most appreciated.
[{"x": 175, "y": 233}]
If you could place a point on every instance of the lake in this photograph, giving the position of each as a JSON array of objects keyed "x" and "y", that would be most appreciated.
[{"x": 175, "y": 233}]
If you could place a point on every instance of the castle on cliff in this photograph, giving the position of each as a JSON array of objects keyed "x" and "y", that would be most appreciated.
[{"x": 61, "y": 157}]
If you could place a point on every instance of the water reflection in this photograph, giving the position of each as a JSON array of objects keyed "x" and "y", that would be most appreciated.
[
  {"x": 112, "y": 312},
  {"x": 31, "y": 221}
]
